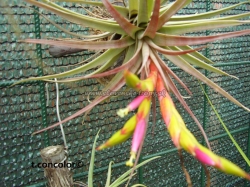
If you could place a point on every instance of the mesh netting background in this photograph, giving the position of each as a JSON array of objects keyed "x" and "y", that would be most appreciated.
[{"x": 23, "y": 107}]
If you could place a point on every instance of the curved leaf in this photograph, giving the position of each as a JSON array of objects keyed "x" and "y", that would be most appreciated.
[
  {"x": 124, "y": 175},
  {"x": 197, "y": 62},
  {"x": 74, "y": 17},
  {"x": 97, "y": 36},
  {"x": 122, "y": 10},
  {"x": 114, "y": 85}
]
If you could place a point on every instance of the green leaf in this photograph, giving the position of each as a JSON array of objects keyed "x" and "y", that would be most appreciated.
[
  {"x": 233, "y": 17},
  {"x": 115, "y": 84},
  {"x": 226, "y": 129},
  {"x": 122, "y": 10},
  {"x": 117, "y": 184},
  {"x": 197, "y": 62},
  {"x": 200, "y": 26},
  {"x": 92, "y": 160},
  {"x": 206, "y": 14},
  {"x": 143, "y": 13},
  {"x": 132, "y": 61},
  {"x": 123, "y": 176},
  {"x": 133, "y": 8},
  {"x": 105, "y": 66},
  {"x": 74, "y": 17},
  {"x": 109, "y": 174},
  {"x": 163, "y": 2}
]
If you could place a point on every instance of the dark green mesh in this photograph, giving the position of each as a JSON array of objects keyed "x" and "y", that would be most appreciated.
[{"x": 23, "y": 107}]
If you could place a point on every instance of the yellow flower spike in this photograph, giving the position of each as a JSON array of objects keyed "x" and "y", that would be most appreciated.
[
  {"x": 121, "y": 135},
  {"x": 147, "y": 85},
  {"x": 131, "y": 79},
  {"x": 134, "y": 82}
]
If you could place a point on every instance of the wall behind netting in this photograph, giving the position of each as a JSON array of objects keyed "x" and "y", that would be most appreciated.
[{"x": 25, "y": 108}]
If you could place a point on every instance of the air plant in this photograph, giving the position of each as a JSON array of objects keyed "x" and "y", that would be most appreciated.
[{"x": 147, "y": 31}]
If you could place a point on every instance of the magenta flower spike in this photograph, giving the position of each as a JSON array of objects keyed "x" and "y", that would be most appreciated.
[
  {"x": 137, "y": 141},
  {"x": 140, "y": 129}
]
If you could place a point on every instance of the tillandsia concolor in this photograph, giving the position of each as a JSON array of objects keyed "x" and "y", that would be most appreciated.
[{"x": 145, "y": 32}]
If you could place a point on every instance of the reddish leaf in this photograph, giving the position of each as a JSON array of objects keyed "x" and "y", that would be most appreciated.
[
  {"x": 171, "y": 52},
  {"x": 170, "y": 72},
  {"x": 185, "y": 66},
  {"x": 132, "y": 61},
  {"x": 129, "y": 28},
  {"x": 172, "y": 40},
  {"x": 152, "y": 26},
  {"x": 111, "y": 44},
  {"x": 177, "y": 5},
  {"x": 116, "y": 87}
]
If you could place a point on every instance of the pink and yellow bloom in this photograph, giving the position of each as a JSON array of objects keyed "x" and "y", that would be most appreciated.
[{"x": 183, "y": 138}]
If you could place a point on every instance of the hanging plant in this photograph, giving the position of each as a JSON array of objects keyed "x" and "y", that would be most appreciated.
[{"x": 145, "y": 31}]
